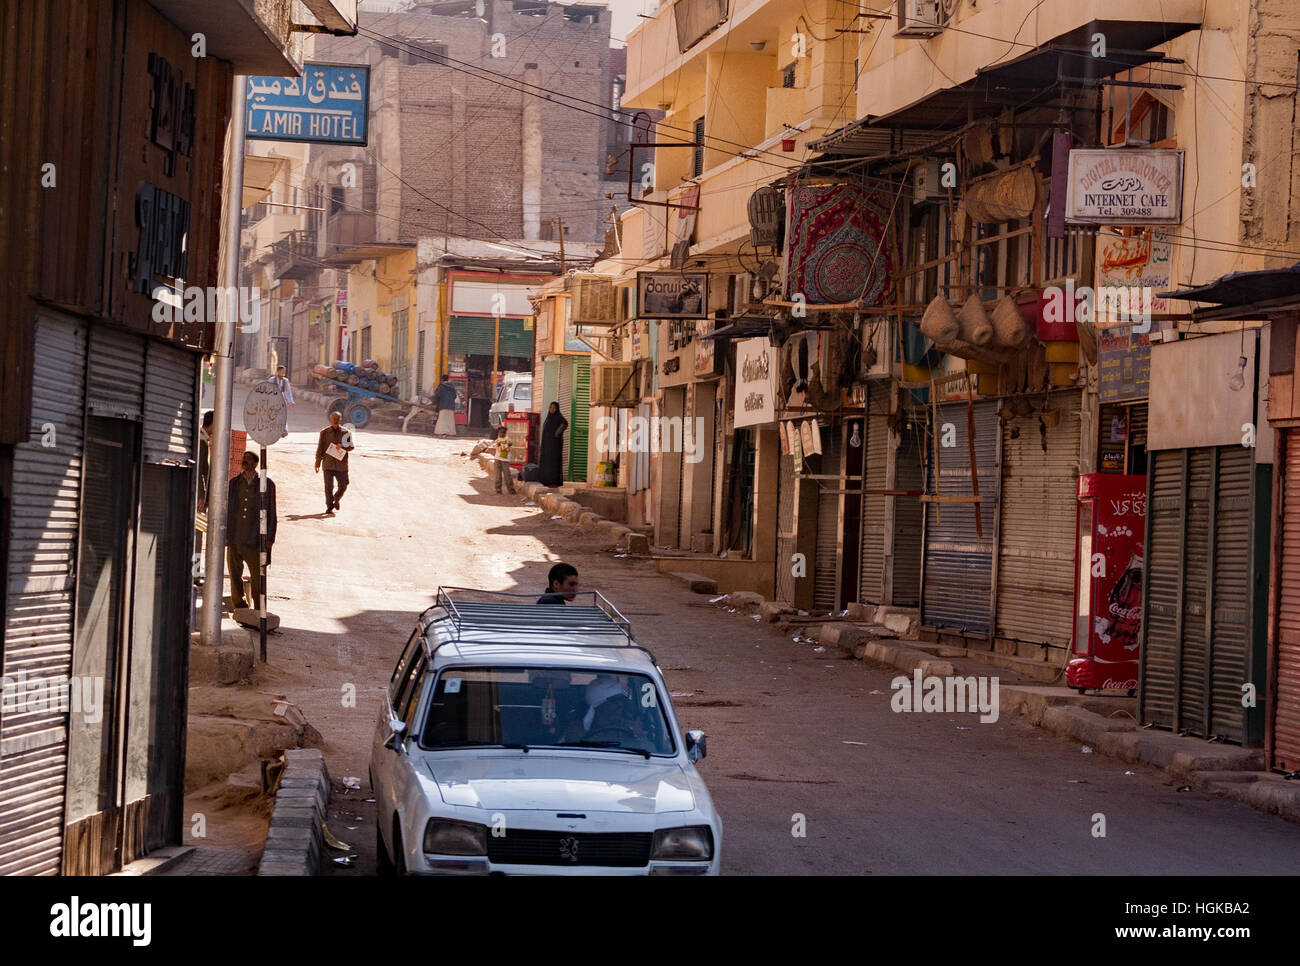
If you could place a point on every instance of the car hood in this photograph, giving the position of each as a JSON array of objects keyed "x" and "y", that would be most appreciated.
[{"x": 562, "y": 782}]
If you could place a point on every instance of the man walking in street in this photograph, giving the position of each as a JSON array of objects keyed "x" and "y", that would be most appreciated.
[
  {"x": 281, "y": 382},
  {"x": 243, "y": 524},
  {"x": 332, "y": 451},
  {"x": 444, "y": 408},
  {"x": 561, "y": 585},
  {"x": 501, "y": 474}
]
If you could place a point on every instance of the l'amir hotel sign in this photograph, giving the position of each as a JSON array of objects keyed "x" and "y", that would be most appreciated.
[
  {"x": 1125, "y": 187},
  {"x": 328, "y": 104}
]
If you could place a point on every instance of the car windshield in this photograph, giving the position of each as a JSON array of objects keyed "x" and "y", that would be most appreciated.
[
  {"x": 523, "y": 392},
  {"x": 547, "y": 707}
]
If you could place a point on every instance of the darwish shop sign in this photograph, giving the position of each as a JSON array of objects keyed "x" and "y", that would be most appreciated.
[
  {"x": 756, "y": 368},
  {"x": 672, "y": 295},
  {"x": 1125, "y": 187}
]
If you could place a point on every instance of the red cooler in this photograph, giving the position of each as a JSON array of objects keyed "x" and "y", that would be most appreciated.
[{"x": 1110, "y": 533}]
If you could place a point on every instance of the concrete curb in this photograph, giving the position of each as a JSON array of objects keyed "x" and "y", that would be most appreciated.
[
  {"x": 296, "y": 834},
  {"x": 554, "y": 503}
]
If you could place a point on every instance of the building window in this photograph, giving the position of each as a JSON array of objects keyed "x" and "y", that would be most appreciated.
[
  {"x": 425, "y": 53},
  {"x": 787, "y": 75},
  {"x": 698, "y": 167},
  {"x": 365, "y": 344},
  {"x": 336, "y": 199}
]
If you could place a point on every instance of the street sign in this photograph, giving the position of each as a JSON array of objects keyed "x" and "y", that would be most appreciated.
[
  {"x": 266, "y": 414},
  {"x": 328, "y": 104}
]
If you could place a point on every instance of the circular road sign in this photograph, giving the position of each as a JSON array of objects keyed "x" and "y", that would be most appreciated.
[{"x": 265, "y": 413}]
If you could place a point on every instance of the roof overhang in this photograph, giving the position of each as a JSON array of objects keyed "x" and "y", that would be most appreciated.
[
  {"x": 1244, "y": 295},
  {"x": 259, "y": 174},
  {"x": 234, "y": 31},
  {"x": 1066, "y": 60}
]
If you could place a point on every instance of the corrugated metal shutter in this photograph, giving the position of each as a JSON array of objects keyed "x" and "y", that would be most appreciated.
[
  {"x": 39, "y": 621},
  {"x": 875, "y": 476},
  {"x": 786, "y": 496},
  {"x": 1137, "y": 424},
  {"x": 905, "y": 555},
  {"x": 516, "y": 341},
  {"x": 471, "y": 336},
  {"x": 171, "y": 378},
  {"x": 1230, "y": 631},
  {"x": 1286, "y": 706},
  {"x": 826, "y": 567},
  {"x": 116, "y": 381},
  {"x": 580, "y": 421},
  {"x": 1162, "y": 587},
  {"x": 958, "y": 565},
  {"x": 1198, "y": 593},
  {"x": 1035, "y": 598},
  {"x": 564, "y": 396}
]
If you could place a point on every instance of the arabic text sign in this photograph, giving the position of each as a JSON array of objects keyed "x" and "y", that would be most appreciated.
[
  {"x": 756, "y": 370},
  {"x": 328, "y": 104},
  {"x": 265, "y": 413},
  {"x": 1136, "y": 262},
  {"x": 1125, "y": 187}
]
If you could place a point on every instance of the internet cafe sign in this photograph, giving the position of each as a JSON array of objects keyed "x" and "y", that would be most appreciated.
[
  {"x": 1125, "y": 187},
  {"x": 756, "y": 367}
]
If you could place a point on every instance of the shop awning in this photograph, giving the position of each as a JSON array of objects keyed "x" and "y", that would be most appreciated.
[
  {"x": 740, "y": 329},
  {"x": 1244, "y": 295},
  {"x": 1067, "y": 59}
]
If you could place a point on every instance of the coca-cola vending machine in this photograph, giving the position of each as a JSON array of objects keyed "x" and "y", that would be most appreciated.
[{"x": 1109, "y": 539}]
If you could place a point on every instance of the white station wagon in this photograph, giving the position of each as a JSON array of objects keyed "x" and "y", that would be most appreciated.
[{"x": 535, "y": 739}]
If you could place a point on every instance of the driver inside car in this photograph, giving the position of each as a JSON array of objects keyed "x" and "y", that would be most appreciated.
[{"x": 616, "y": 720}]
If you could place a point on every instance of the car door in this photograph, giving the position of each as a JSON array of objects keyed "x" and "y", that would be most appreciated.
[
  {"x": 382, "y": 758},
  {"x": 401, "y": 771}
]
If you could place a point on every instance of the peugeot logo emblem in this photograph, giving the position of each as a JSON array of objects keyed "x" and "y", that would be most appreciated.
[{"x": 569, "y": 848}]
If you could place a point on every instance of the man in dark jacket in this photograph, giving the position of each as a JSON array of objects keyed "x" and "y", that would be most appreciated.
[
  {"x": 243, "y": 524},
  {"x": 334, "y": 439},
  {"x": 444, "y": 400}
]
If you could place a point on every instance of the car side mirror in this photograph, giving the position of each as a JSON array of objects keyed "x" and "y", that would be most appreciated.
[
  {"x": 398, "y": 727},
  {"x": 697, "y": 745}
]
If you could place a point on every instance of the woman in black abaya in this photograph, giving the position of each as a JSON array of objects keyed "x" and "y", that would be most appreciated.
[{"x": 551, "y": 459}]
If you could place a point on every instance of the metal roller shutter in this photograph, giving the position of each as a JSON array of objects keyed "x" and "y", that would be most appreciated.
[
  {"x": 875, "y": 476},
  {"x": 39, "y": 622},
  {"x": 171, "y": 380},
  {"x": 1198, "y": 591},
  {"x": 1162, "y": 587},
  {"x": 471, "y": 336},
  {"x": 1035, "y": 580},
  {"x": 958, "y": 574},
  {"x": 786, "y": 496},
  {"x": 905, "y": 551},
  {"x": 1229, "y": 627},
  {"x": 826, "y": 567},
  {"x": 116, "y": 380},
  {"x": 1286, "y": 696}
]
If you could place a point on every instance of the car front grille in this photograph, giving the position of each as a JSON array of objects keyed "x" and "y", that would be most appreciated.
[{"x": 534, "y": 847}]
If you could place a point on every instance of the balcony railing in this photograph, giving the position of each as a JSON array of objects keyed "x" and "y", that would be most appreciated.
[{"x": 294, "y": 255}]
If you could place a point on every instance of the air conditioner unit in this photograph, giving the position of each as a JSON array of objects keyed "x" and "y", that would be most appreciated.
[
  {"x": 614, "y": 384},
  {"x": 919, "y": 18},
  {"x": 925, "y": 182}
]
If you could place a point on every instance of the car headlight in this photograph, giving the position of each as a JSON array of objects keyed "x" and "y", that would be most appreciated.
[
  {"x": 443, "y": 837},
  {"x": 691, "y": 843}
]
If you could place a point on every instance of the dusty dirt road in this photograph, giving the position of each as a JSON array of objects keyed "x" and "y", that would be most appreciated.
[{"x": 798, "y": 740}]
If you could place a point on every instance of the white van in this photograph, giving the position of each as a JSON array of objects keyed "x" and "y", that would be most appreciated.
[{"x": 515, "y": 394}]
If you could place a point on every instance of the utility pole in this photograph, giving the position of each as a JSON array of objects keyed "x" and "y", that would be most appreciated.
[
  {"x": 223, "y": 381},
  {"x": 559, "y": 227}
]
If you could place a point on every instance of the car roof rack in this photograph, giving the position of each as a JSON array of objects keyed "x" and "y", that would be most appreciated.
[{"x": 467, "y": 610}]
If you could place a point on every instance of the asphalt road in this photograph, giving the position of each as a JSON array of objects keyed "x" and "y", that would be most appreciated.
[{"x": 799, "y": 741}]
